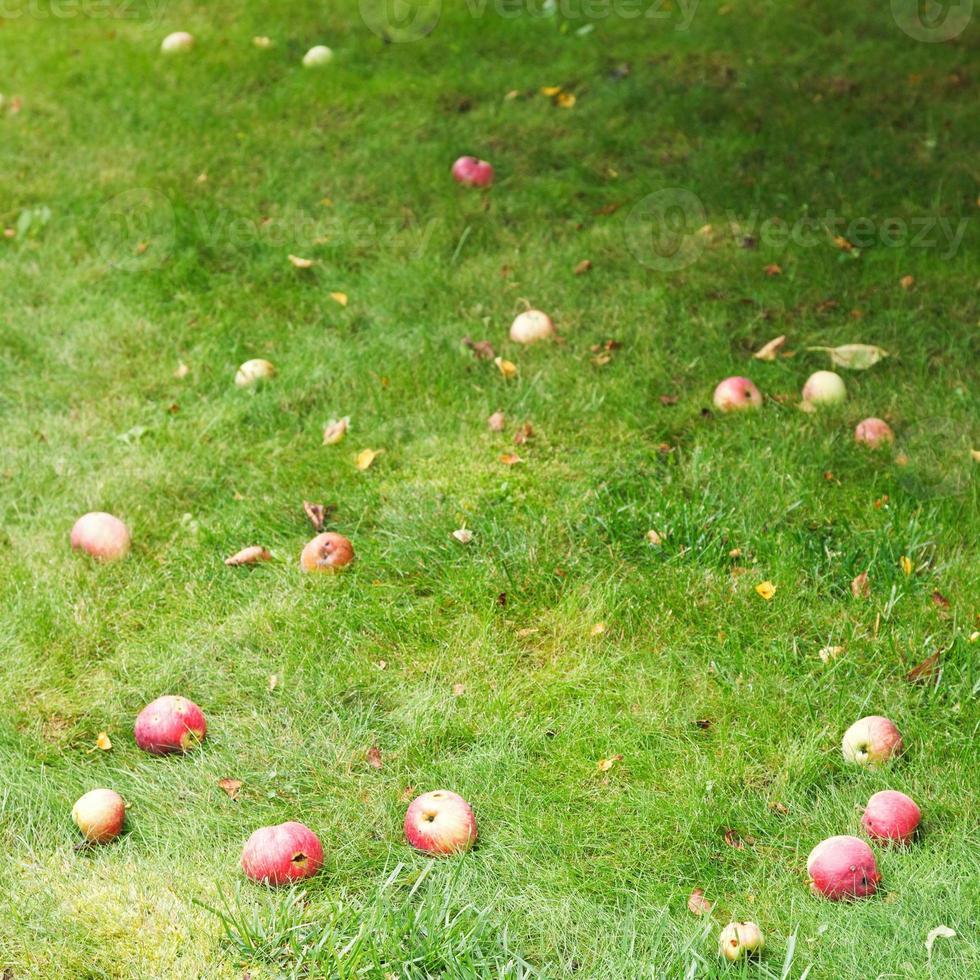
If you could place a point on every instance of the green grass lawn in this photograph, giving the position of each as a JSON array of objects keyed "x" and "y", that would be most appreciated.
[{"x": 152, "y": 205}]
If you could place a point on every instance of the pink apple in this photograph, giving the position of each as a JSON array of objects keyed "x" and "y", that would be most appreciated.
[
  {"x": 169, "y": 724},
  {"x": 873, "y": 433},
  {"x": 734, "y": 394},
  {"x": 440, "y": 822},
  {"x": 101, "y": 535},
  {"x": 531, "y": 326},
  {"x": 282, "y": 854},
  {"x": 891, "y": 816},
  {"x": 842, "y": 867},
  {"x": 824, "y": 388},
  {"x": 99, "y": 815},
  {"x": 471, "y": 172},
  {"x": 740, "y": 939},
  {"x": 177, "y": 42},
  {"x": 871, "y": 741},
  {"x": 327, "y": 552}
]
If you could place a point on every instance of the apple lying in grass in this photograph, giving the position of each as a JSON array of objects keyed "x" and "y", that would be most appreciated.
[
  {"x": 99, "y": 815},
  {"x": 169, "y": 724},
  {"x": 440, "y": 822},
  {"x": 101, "y": 535},
  {"x": 177, "y": 42},
  {"x": 471, "y": 172},
  {"x": 872, "y": 432},
  {"x": 740, "y": 939},
  {"x": 891, "y": 817},
  {"x": 318, "y": 55},
  {"x": 531, "y": 326},
  {"x": 823, "y": 388},
  {"x": 871, "y": 741},
  {"x": 327, "y": 552},
  {"x": 735, "y": 394},
  {"x": 257, "y": 369},
  {"x": 842, "y": 867},
  {"x": 282, "y": 854}
]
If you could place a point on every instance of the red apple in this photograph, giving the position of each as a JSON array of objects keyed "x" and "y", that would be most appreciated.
[
  {"x": 281, "y": 854},
  {"x": 327, "y": 552},
  {"x": 734, "y": 394},
  {"x": 531, "y": 326},
  {"x": 842, "y": 867},
  {"x": 169, "y": 724},
  {"x": 471, "y": 172},
  {"x": 440, "y": 822},
  {"x": 740, "y": 939},
  {"x": 101, "y": 535},
  {"x": 873, "y": 433},
  {"x": 891, "y": 816},
  {"x": 99, "y": 815},
  {"x": 823, "y": 388},
  {"x": 871, "y": 741}
]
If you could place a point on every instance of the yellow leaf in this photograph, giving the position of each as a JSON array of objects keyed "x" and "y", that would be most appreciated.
[
  {"x": 906, "y": 564},
  {"x": 830, "y": 653},
  {"x": 566, "y": 100},
  {"x": 975, "y": 455},
  {"x": 339, "y": 298},
  {"x": 510, "y": 459},
  {"x": 604, "y": 765},
  {"x": 598, "y": 629},
  {"x": 335, "y": 430},
  {"x": 655, "y": 538},
  {"x": 103, "y": 742},
  {"x": 766, "y": 589},
  {"x": 301, "y": 263},
  {"x": 507, "y": 368},
  {"x": 230, "y": 786},
  {"x": 327, "y": 202},
  {"x": 273, "y": 681},
  {"x": 366, "y": 457},
  {"x": 769, "y": 351},
  {"x": 550, "y": 90}
]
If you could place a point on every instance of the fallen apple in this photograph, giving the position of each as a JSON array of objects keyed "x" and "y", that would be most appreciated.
[
  {"x": 99, "y": 815},
  {"x": 842, "y": 867},
  {"x": 318, "y": 55},
  {"x": 282, "y": 854},
  {"x": 254, "y": 370},
  {"x": 871, "y": 741},
  {"x": 327, "y": 552},
  {"x": 823, "y": 388},
  {"x": 873, "y": 433},
  {"x": 177, "y": 42},
  {"x": 735, "y": 394},
  {"x": 891, "y": 817},
  {"x": 169, "y": 724},
  {"x": 531, "y": 326},
  {"x": 740, "y": 939},
  {"x": 101, "y": 535},
  {"x": 471, "y": 172},
  {"x": 440, "y": 822}
]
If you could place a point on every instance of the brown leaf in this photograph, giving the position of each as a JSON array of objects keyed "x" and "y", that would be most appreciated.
[
  {"x": 604, "y": 765},
  {"x": 251, "y": 555},
  {"x": 231, "y": 787},
  {"x": 779, "y": 807},
  {"x": 482, "y": 349},
  {"x": 335, "y": 430},
  {"x": 925, "y": 672},
  {"x": 182, "y": 370},
  {"x": 458, "y": 690},
  {"x": 497, "y": 421},
  {"x": 317, "y": 514},
  {"x": 406, "y": 794},
  {"x": 669, "y": 399},
  {"x": 698, "y": 904},
  {"x": 523, "y": 433},
  {"x": 773, "y": 270},
  {"x": 510, "y": 459},
  {"x": 940, "y": 600},
  {"x": 734, "y": 839},
  {"x": 610, "y": 208},
  {"x": 584, "y": 266},
  {"x": 861, "y": 587},
  {"x": 374, "y": 757},
  {"x": 769, "y": 351},
  {"x": 703, "y": 723},
  {"x": 843, "y": 244},
  {"x": 907, "y": 282}
]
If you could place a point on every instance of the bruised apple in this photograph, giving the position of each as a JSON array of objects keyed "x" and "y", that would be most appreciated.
[
  {"x": 471, "y": 172},
  {"x": 169, "y": 724},
  {"x": 873, "y": 432},
  {"x": 891, "y": 817},
  {"x": 440, "y": 822},
  {"x": 101, "y": 535},
  {"x": 871, "y": 741},
  {"x": 99, "y": 815},
  {"x": 740, "y": 939},
  {"x": 327, "y": 552},
  {"x": 282, "y": 854},
  {"x": 842, "y": 867},
  {"x": 735, "y": 394}
]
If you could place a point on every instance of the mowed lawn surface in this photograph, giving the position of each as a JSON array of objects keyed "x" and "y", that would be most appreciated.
[{"x": 154, "y": 203}]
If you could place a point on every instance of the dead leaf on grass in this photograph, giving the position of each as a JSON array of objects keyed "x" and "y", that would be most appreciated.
[
  {"x": 698, "y": 904},
  {"x": 231, "y": 787},
  {"x": 604, "y": 765},
  {"x": 861, "y": 587},
  {"x": 925, "y": 672},
  {"x": 374, "y": 757},
  {"x": 770, "y": 350},
  {"x": 103, "y": 742},
  {"x": 497, "y": 421},
  {"x": 366, "y": 457},
  {"x": 251, "y": 555}
]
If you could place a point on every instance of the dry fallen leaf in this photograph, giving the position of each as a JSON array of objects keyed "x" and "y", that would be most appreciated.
[
  {"x": 773, "y": 270},
  {"x": 830, "y": 653},
  {"x": 335, "y": 430},
  {"x": 482, "y": 349},
  {"x": 843, "y": 244},
  {"x": 103, "y": 742},
  {"x": 604, "y": 765},
  {"x": 507, "y": 368},
  {"x": 458, "y": 690},
  {"x": 734, "y": 839},
  {"x": 497, "y": 421},
  {"x": 926, "y": 671},
  {"x": 907, "y": 282},
  {"x": 231, "y": 787},
  {"x": 301, "y": 263},
  {"x": 940, "y": 600},
  {"x": 856, "y": 357},
  {"x": 769, "y": 351},
  {"x": 655, "y": 538},
  {"x": 698, "y": 904},
  {"x": 340, "y": 298},
  {"x": 182, "y": 370},
  {"x": 550, "y": 90},
  {"x": 374, "y": 757},
  {"x": 598, "y": 629},
  {"x": 975, "y": 455},
  {"x": 262, "y": 42},
  {"x": 251, "y": 555},
  {"x": 565, "y": 99},
  {"x": 317, "y": 514},
  {"x": 940, "y": 932},
  {"x": 366, "y": 457},
  {"x": 766, "y": 589},
  {"x": 510, "y": 459},
  {"x": 861, "y": 587},
  {"x": 584, "y": 266},
  {"x": 523, "y": 433},
  {"x": 668, "y": 400},
  {"x": 906, "y": 565},
  {"x": 273, "y": 681},
  {"x": 406, "y": 794},
  {"x": 463, "y": 535}
]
